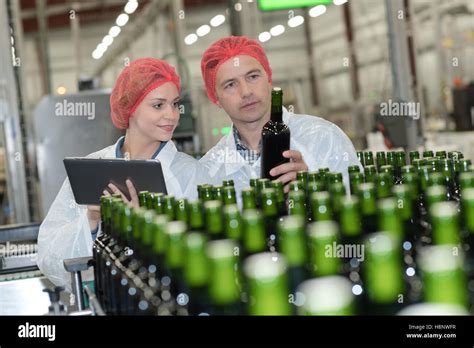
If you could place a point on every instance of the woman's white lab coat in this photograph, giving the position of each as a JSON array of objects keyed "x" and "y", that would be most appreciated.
[{"x": 65, "y": 232}]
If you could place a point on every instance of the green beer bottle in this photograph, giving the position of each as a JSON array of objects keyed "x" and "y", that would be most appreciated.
[
  {"x": 413, "y": 156},
  {"x": 331, "y": 295},
  {"x": 267, "y": 283},
  {"x": 380, "y": 159},
  {"x": 400, "y": 161},
  {"x": 207, "y": 193},
  {"x": 384, "y": 185},
  {"x": 228, "y": 183},
  {"x": 196, "y": 273},
  {"x": 254, "y": 238},
  {"x": 277, "y": 185},
  {"x": 368, "y": 158},
  {"x": 467, "y": 212},
  {"x": 253, "y": 183},
  {"x": 175, "y": 256},
  {"x": 270, "y": 214},
  {"x": 443, "y": 277},
  {"x": 142, "y": 198},
  {"x": 292, "y": 241},
  {"x": 383, "y": 275},
  {"x": 302, "y": 176},
  {"x": 350, "y": 220},
  {"x": 218, "y": 194},
  {"x": 391, "y": 158},
  {"x": 425, "y": 308},
  {"x": 389, "y": 221},
  {"x": 160, "y": 243},
  {"x": 355, "y": 179},
  {"x": 182, "y": 210},
  {"x": 229, "y": 195},
  {"x": 369, "y": 173},
  {"x": 196, "y": 216},
  {"x": 214, "y": 221},
  {"x": 321, "y": 206},
  {"x": 224, "y": 277},
  {"x": 405, "y": 212},
  {"x": 323, "y": 238},
  {"x": 168, "y": 206},
  {"x": 248, "y": 198},
  {"x": 324, "y": 175},
  {"x": 262, "y": 184},
  {"x": 159, "y": 203},
  {"x": 296, "y": 204},
  {"x": 466, "y": 180},
  {"x": 232, "y": 222},
  {"x": 428, "y": 154},
  {"x": 149, "y": 200},
  {"x": 368, "y": 207},
  {"x": 445, "y": 221},
  {"x": 360, "y": 157}
]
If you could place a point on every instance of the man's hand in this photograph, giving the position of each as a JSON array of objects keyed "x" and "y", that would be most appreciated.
[
  {"x": 286, "y": 172},
  {"x": 133, "y": 202}
]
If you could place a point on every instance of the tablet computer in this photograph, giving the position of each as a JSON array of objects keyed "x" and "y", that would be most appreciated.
[{"x": 89, "y": 177}]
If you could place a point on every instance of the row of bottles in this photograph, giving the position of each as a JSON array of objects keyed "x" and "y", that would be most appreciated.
[{"x": 387, "y": 245}]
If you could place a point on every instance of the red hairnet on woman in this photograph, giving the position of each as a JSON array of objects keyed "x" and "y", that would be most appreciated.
[{"x": 145, "y": 103}]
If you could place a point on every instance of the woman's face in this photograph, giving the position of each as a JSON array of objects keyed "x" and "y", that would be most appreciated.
[{"x": 158, "y": 114}]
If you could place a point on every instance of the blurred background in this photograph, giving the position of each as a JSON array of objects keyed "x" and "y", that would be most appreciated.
[{"x": 345, "y": 61}]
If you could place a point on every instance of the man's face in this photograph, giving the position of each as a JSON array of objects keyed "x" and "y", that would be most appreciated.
[{"x": 243, "y": 90}]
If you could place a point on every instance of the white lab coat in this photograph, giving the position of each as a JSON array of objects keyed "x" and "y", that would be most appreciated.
[
  {"x": 65, "y": 232},
  {"x": 322, "y": 144}
]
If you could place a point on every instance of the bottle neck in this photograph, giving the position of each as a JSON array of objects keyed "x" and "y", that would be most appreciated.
[{"x": 277, "y": 108}]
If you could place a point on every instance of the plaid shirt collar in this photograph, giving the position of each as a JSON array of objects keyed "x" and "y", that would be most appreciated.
[{"x": 251, "y": 156}]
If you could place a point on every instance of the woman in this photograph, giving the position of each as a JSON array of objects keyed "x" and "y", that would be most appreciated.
[{"x": 145, "y": 102}]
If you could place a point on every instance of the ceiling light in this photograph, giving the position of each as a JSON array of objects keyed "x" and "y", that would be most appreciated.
[
  {"x": 122, "y": 19},
  {"x": 277, "y": 30},
  {"x": 108, "y": 40},
  {"x": 295, "y": 21},
  {"x": 97, "y": 54},
  {"x": 203, "y": 30},
  {"x": 114, "y": 31},
  {"x": 190, "y": 39},
  {"x": 217, "y": 20},
  {"x": 265, "y": 36},
  {"x": 131, "y": 6},
  {"x": 317, "y": 10}
]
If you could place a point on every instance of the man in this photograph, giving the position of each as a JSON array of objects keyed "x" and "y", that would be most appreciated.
[{"x": 238, "y": 78}]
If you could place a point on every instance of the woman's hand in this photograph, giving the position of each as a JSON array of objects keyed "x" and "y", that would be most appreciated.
[
  {"x": 133, "y": 202},
  {"x": 93, "y": 215}
]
